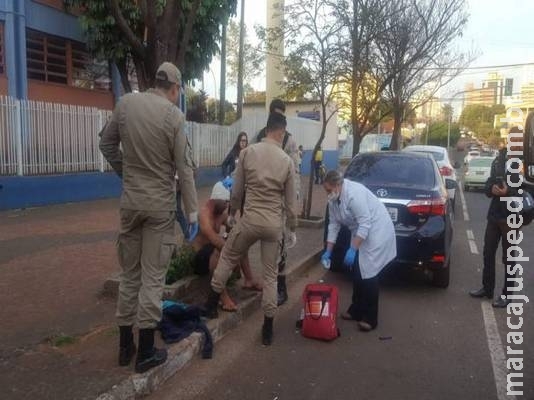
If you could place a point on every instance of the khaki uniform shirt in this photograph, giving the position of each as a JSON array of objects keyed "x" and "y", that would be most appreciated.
[
  {"x": 153, "y": 148},
  {"x": 269, "y": 175}
]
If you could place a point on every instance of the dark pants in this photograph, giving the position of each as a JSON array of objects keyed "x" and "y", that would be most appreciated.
[
  {"x": 364, "y": 305},
  {"x": 180, "y": 217},
  {"x": 495, "y": 232},
  {"x": 318, "y": 177}
]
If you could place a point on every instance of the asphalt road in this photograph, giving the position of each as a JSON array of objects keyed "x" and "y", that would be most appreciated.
[{"x": 435, "y": 344}]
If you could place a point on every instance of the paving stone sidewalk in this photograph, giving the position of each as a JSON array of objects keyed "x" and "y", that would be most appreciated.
[{"x": 53, "y": 264}]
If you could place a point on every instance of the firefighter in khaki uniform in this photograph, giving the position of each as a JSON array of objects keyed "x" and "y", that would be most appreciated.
[
  {"x": 150, "y": 129},
  {"x": 269, "y": 176}
]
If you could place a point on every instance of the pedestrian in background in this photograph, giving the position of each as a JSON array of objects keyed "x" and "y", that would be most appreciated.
[
  {"x": 372, "y": 247},
  {"x": 146, "y": 145},
  {"x": 269, "y": 175},
  {"x": 318, "y": 163},
  {"x": 496, "y": 226},
  {"x": 300, "y": 155},
  {"x": 290, "y": 147},
  {"x": 232, "y": 158}
]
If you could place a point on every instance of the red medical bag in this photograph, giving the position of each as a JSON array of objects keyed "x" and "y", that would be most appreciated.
[{"x": 320, "y": 311}]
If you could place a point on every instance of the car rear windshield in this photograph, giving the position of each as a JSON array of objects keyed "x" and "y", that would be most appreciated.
[
  {"x": 474, "y": 153},
  {"x": 392, "y": 170},
  {"x": 481, "y": 162},
  {"x": 438, "y": 156}
]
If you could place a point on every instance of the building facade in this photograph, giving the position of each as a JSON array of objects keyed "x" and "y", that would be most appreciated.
[{"x": 43, "y": 57}]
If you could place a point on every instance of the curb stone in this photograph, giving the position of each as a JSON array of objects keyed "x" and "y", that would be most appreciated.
[{"x": 179, "y": 354}]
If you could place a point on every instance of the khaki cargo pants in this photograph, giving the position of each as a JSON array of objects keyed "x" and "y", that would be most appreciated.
[
  {"x": 145, "y": 245},
  {"x": 242, "y": 236}
]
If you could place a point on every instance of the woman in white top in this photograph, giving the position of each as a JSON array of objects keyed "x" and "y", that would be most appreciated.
[{"x": 373, "y": 244}]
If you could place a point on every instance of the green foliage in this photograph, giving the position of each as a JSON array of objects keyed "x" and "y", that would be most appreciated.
[
  {"x": 62, "y": 340},
  {"x": 438, "y": 134},
  {"x": 181, "y": 265},
  {"x": 196, "y": 105},
  {"x": 107, "y": 41},
  {"x": 253, "y": 58},
  {"x": 480, "y": 118},
  {"x": 213, "y": 109}
]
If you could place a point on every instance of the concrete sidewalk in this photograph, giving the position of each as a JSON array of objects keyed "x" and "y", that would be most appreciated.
[{"x": 53, "y": 263}]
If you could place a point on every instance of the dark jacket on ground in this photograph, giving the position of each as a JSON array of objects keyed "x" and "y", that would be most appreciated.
[
  {"x": 179, "y": 321},
  {"x": 498, "y": 209}
]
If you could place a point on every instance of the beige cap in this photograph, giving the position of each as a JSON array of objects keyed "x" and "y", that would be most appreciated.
[
  {"x": 219, "y": 192},
  {"x": 169, "y": 72}
]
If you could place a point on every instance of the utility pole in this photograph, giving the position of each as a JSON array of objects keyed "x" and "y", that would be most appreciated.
[
  {"x": 240, "y": 62},
  {"x": 222, "y": 95}
]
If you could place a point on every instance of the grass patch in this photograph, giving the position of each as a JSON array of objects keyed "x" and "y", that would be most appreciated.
[
  {"x": 62, "y": 340},
  {"x": 181, "y": 265}
]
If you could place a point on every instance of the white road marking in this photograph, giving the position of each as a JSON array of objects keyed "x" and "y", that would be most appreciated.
[
  {"x": 473, "y": 247},
  {"x": 496, "y": 349},
  {"x": 470, "y": 235},
  {"x": 464, "y": 205}
]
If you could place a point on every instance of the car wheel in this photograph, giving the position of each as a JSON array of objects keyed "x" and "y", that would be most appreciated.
[{"x": 441, "y": 277}]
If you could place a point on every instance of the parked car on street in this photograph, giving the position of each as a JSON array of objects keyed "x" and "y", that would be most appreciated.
[
  {"x": 477, "y": 172},
  {"x": 415, "y": 195},
  {"x": 472, "y": 154},
  {"x": 446, "y": 168}
]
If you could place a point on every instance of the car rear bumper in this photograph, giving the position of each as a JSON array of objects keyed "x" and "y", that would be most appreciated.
[{"x": 427, "y": 248}]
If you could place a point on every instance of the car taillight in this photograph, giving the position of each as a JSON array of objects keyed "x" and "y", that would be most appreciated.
[
  {"x": 428, "y": 207},
  {"x": 445, "y": 171}
]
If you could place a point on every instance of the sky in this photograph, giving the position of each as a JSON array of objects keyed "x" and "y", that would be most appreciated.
[{"x": 499, "y": 32}]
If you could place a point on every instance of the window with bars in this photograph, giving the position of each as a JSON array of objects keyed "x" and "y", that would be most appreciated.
[
  {"x": 2, "y": 58},
  {"x": 58, "y": 60},
  {"x": 46, "y": 57},
  {"x": 87, "y": 72}
]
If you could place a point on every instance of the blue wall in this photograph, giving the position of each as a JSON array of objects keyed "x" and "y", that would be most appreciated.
[
  {"x": 330, "y": 160},
  {"x": 34, "y": 191}
]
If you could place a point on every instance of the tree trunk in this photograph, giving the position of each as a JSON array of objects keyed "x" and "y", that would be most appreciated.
[
  {"x": 396, "y": 138},
  {"x": 240, "y": 71},
  {"x": 355, "y": 83},
  {"x": 309, "y": 198},
  {"x": 222, "y": 96},
  {"x": 356, "y": 142},
  {"x": 122, "y": 67}
]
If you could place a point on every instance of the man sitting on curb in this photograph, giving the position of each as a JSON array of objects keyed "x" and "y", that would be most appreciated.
[{"x": 209, "y": 242}]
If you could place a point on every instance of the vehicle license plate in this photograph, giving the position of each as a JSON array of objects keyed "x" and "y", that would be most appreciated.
[
  {"x": 393, "y": 213},
  {"x": 480, "y": 172}
]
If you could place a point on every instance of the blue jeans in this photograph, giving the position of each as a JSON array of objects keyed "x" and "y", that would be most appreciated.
[{"x": 180, "y": 217}]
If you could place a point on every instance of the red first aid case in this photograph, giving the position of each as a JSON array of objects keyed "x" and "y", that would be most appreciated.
[{"x": 320, "y": 312}]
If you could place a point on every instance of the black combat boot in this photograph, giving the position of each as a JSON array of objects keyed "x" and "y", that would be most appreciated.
[
  {"x": 126, "y": 345},
  {"x": 148, "y": 356},
  {"x": 267, "y": 331},
  {"x": 210, "y": 307},
  {"x": 282, "y": 290}
]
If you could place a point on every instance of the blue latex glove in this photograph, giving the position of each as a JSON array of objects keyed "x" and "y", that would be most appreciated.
[
  {"x": 192, "y": 231},
  {"x": 350, "y": 257},
  {"x": 325, "y": 259},
  {"x": 228, "y": 182}
]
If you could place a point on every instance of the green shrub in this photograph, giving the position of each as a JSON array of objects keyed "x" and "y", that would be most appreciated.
[{"x": 181, "y": 265}]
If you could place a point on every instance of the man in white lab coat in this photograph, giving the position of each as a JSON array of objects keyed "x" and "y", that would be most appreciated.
[{"x": 373, "y": 244}]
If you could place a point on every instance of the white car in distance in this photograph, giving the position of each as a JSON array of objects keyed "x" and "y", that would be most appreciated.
[
  {"x": 472, "y": 154},
  {"x": 446, "y": 168}
]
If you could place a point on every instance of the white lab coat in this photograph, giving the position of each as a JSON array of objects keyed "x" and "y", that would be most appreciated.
[{"x": 365, "y": 216}]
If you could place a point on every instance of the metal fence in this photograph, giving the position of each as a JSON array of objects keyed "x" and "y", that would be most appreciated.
[{"x": 40, "y": 138}]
